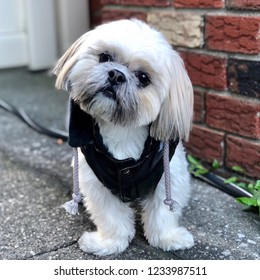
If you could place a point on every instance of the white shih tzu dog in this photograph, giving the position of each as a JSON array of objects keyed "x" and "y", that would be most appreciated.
[{"x": 131, "y": 105}]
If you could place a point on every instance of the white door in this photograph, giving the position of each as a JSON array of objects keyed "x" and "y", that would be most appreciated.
[
  {"x": 13, "y": 38},
  {"x": 33, "y": 31}
]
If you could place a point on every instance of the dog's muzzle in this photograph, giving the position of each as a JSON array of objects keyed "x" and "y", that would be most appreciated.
[{"x": 115, "y": 79}]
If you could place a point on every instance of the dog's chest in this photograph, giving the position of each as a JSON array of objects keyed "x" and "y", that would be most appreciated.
[{"x": 124, "y": 142}]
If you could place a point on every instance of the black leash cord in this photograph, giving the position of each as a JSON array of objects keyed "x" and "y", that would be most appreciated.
[
  {"x": 52, "y": 132},
  {"x": 219, "y": 183}
]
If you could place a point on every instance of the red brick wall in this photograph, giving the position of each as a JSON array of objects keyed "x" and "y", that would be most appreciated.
[{"x": 219, "y": 41}]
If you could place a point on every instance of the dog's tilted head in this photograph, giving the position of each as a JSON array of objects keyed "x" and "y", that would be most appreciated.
[{"x": 126, "y": 73}]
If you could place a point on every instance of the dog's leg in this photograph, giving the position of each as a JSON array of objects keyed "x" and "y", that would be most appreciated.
[
  {"x": 161, "y": 226},
  {"x": 114, "y": 219}
]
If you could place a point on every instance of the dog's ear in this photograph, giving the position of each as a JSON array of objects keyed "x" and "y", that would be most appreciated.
[
  {"x": 66, "y": 62},
  {"x": 175, "y": 117}
]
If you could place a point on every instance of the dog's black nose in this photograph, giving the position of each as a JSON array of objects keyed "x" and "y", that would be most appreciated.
[{"x": 115, "y": 77}]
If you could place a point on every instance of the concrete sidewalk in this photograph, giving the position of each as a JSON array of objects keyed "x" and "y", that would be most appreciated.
[{"x": 36, "y": 178}]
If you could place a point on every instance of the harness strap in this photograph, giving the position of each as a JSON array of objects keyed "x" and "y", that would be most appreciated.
[
  {"x": 72, "y": 206},
  {"x": 166, "y": 165}
]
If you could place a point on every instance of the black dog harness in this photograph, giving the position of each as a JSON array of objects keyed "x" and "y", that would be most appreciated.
[{"x": 127, "y": 179}]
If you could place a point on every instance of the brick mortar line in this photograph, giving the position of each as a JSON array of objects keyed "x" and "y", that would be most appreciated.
[
  {"x": 244, "y": 56},
  {"x": 199, "y": 11},
  {"x": 237, "y": 95},
  {"x": 225, "y": 153},
  {"x": 201, "y": 88},
  {"x": 220, "y": 54},
  {"x": 226, "y": 93},
  {"x": 227, "y": 133},
  {"x": 201, "y": 51},
  {"x": 130, "y": 7},
  {"x": 203, "y": 42},
  {"x": 247, "y": 138},
  {"x": 221, "y": 11}
]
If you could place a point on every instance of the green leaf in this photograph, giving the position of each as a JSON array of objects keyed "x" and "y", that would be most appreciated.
[
  {"x": 242, "y": 185},
  {"x": 247, "y": 201},
  {"x": 215, "y": 164},
  {"x": 201, "y": 171},
  {"x": 230, "y": 180},
  {"x": 257, "y": 185},
  {"x": 193, "y": 160},
  {"x": 250, "y": 186},
  {"x": 200, "y": 166},
  {"x": 256, "y": 195},
  {"x": 238, "y": 169}
]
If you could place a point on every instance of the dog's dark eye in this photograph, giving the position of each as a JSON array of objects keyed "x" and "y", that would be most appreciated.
[
  {"x": 143, "y": 79},
  {"x": 105, "y": 57}
]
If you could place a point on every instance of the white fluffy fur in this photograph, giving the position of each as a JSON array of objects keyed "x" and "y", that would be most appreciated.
[{"x": 166, "y": 104}]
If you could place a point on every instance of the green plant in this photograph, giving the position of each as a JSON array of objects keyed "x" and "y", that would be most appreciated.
[
  {"x": 254, "y": 189},
  {"x": 196, "y": 168}
]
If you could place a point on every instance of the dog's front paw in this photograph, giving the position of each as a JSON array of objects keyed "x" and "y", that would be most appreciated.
[
  {"x": 92, "y": 242},
  {"x": 179, "y": 238}
]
